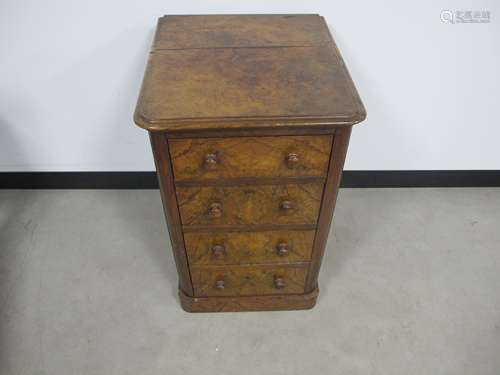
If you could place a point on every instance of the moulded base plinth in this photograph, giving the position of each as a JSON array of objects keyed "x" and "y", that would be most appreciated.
[{"x": 249, "y": 303}]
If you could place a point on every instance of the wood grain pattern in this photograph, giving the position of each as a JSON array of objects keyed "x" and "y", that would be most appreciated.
[
  {"x": 250, "y": 157},
  {"x": 166, "y": 181},
  {"x": 339, "y": 151},
  {"x": 261, "y": 129},
  {"x": 248, "y": 247},
  {"x": 274, "y": 84},
  {"x": 249, "y": 118},
  {"x": 249, "y": 303},
  {"x": 217, "y": 31},
  {"x": 250, "y": 205},
  {"x": 247, "y": 281}
]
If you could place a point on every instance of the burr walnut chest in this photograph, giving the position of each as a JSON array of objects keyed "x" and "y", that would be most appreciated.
[{"x": 249, "y": 118}]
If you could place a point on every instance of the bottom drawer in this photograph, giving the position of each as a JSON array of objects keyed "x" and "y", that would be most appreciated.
[{"x": 248, "y": 280}]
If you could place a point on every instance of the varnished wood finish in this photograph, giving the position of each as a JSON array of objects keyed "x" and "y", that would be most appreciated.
[
  {"x": 242, "y": 181},
  {"x": 221, "y": 84},
  {"x": 248, "y": 280},
  {"x": 301, "y": 301},
  {"x": 246, "y": 228},
  {"x": 337, "y": 159},
  {"x": 300, "y": 128},
  {"x": 250, "y": 205},
  {"x": 223, "y": 31},
  {"x": 249, "y": 118},
  {"x": 224, "y": 158},
  {"x": 270, "y": 83},
  {"x": 165, "y": 178},
  {"x": 232, "y": 248}
]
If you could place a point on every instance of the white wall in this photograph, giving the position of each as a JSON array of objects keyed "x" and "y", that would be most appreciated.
[{"x": 70, "y": 73}]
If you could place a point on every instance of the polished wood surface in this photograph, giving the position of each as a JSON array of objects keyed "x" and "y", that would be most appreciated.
[
  {"x": 269, "y": 83},
  {"x": 339, "y": 152},
  {"x": 279, "y": 30},
  {"x": 301, "y": 301},
  {"x": 250, "y": 205},
  {"x": 223, "y": 158},
  {"x": 159, "y": 144},
  {"x": 223, "y": 84},
  {"x": 232, "y": 248},
  {"x": 248, "y": 281},
  {"x": 249, "y": 118}
]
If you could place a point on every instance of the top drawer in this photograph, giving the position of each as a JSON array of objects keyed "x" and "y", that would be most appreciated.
[{"x": 282, "y": 156}]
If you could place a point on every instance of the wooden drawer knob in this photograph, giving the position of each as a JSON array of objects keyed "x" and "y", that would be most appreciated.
[
  {"x": 286, "y": 205},
  {"x": 210, "y": 161},
  {"x": 282, "y": 249},
  {"x": 215, "y": 209},
  {"x": 292, "y": 160},
  {"x": 279, "y": 282},
  {"x": 219, "y": 284},
  {"x": 218, "y": 251}
]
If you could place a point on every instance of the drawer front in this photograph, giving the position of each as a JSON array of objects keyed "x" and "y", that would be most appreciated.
[
  {"x": 286, "y": 156},
  {"x": 249, "y": 205},
  {"x": 248, "y": 247},
  {"x": 245, "y": 280}
]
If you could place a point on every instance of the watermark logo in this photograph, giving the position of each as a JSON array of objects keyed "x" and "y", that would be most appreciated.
[{"x": 465, "y": 16}]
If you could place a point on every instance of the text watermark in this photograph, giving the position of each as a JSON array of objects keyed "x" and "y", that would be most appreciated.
[{"x": 465, "y": 16}]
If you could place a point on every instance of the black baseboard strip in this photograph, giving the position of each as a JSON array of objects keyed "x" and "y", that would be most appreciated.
[
  {"x": 78, "y": 180},
  {"x": 148, "y": 180},
  {"x": 441, "y": 178}
]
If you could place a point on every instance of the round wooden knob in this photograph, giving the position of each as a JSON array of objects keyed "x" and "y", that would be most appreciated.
[
  {"x": 210, "y": 161},
  {"x": 218, "y": 251},
  {"x": 282, "y": 249},
  {"x": 215, "y": 209},
  {"x": 286, "y": 205},
  {"x": 292, "y": 160},
  {"x": 219, "y": 284},
  {"x": 279, "y": 282}
]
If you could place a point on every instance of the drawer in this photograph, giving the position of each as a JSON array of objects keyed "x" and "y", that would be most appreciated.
[
  {"x": 246, "y": 280},
  {"x": 248, "y": 247},
  {"x": 250, "y": 205},
  {"x": 285, "y": 156}
]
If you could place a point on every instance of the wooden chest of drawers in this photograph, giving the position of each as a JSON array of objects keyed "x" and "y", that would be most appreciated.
[{"x": 249, "y": 119}]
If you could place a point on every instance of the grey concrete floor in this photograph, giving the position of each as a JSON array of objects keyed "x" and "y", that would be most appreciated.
[{"x": 410, "y": 285}]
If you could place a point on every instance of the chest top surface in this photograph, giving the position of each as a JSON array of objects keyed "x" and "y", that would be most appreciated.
[{"x": 245, "y": 71}]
